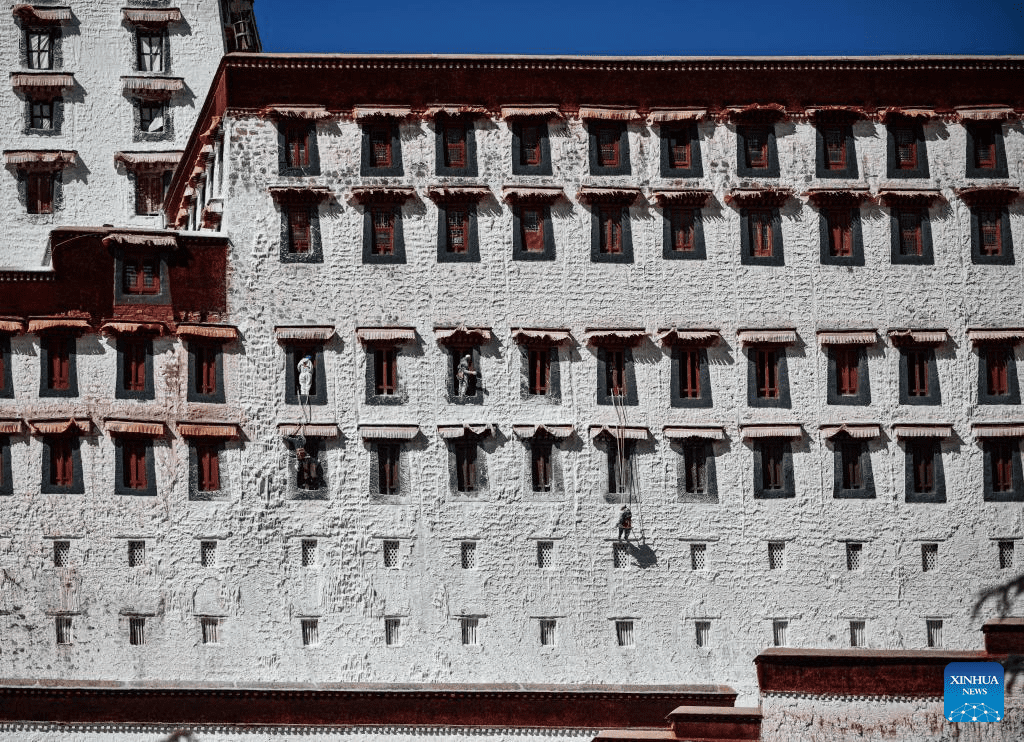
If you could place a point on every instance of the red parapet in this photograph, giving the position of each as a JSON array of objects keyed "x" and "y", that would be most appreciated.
[{"x": 1004, "y": 635}]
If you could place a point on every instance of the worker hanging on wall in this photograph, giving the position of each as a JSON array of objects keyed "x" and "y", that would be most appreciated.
[
  {"x": 308, "y": 472},
  {"x": 464, "y": 373},
  {"x": 305, "y": 368},
  {"x": 625, "y": 522}
]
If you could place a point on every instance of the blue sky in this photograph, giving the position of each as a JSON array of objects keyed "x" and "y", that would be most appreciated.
[{"x": 649, "y": 27}]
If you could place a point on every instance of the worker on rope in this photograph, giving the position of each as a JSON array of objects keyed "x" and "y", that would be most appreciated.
[{"x": 625, "y": 523}]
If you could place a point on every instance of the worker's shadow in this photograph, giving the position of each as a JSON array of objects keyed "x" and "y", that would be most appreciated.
[{"x": 642, "y": 554}]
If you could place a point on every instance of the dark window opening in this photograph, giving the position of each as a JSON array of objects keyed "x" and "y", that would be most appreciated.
[
  {"x": 380, "y": 147},
  {"x": 539, "y": 360},
  {"x": 759, "y": 224},
  {"x": 906, "y": 147},
  {"x": 1002, "y": 465},
  {"x": 208, "y": 459},
  {"x": 464, "y": 373},
  {"x": 840, "y": 233},
  {"x": 296, "y": 145},
  {"x": 62, "y": 464},
  {"x": 679, "y": 153},
  {"x": 990, "y": 226},
  {"x": 150, "y": 52},
  {"x": 385, "y": 371},
  {"x": 689, "y": 373},
  {"x": 610, "y": 219},
  {"x": 756, "y": 141},
  {"x": 40, "y": 50},
  {"x": 141, "y": 275},
  {"x": 847, "y": 371},
  {"x": 457, "y": 236},
  {"x": 133, "y": 464},
  {"x": 149, "y": 193},
  {"x": 619, "y": 467},
  {"x": 696, "y": 468},
  {"x": 299, "y": 233},
  {"x": 530, "y": 145},
  {"x": 850, "y": 456},
  {"x": 454, "y": 145},
  {"x": 772, "y": 459},
  {"x": 465, "y": 467},
  {"x": 383, "y": 232},
  {"x": 835, "y": 148},
  {"x": 151, "y": 117},
  {"x": 985, "y": 157},
  {"x": 309, "y": 474},
  {"x": 206, "y": 355},
  {"x": 911, "y": 241},
  {"x": 133, "y": 357},
  {"x": 615, "y": 372},
  {"x": 388, "y": 459},
  {"x": 58, "y": 353},
  {"x": 997, "y": 359},
  {"x": 531, "y": 221},
  {"x": 540, "y": 465},
  {"x": 767, "y": 370},
  {"x": 923, "y": 463},
  {"x": 683, "y": 230},
  {"x": 608, "y": 146},
  {"x": 39, "y": 192},
  {"x": 917, "y": 372},
  {"x": 41, "y": 115}
]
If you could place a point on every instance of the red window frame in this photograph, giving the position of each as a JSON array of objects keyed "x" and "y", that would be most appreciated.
[
  {"x": 208, "y": 467},
  {"x": 465, "y": 466},
  {"x": 615, "y": 372},
  {"x": 996, "y": 370},
  {"x": 531, "y": 223},
  {"x": 133, "y": 354},
  {"x": 755, "y": 141},
  {"x": 133, "y": 464},
  {"x": 910, "y": 231},
  {"x": 835, "y": 147},
  {"x": 923, "y": 465},
  {"x": 539, "y": 362},
  {"x": 380, "y": 146},
  {"x": 766, "y": 365},
  {"x": 610, "y": 221},
  {"x": 905, "y": 139},
  {"x": 680, "y": 151},
  {"x": 840, "y": 233},
  {"x": 383, "y": 234},
  {"x": 847, "y": 371},
  {"x": 689, "y": 373},
  {"x": 530, "y": 137},
  {"x": 141, "y": 275},
  {"x": 39, "y": 192},
  {"x": 457, "y": 229},
  {"x": 388, "y": 465},
  {"x": 385, "y": 370},
  {"x": 849, "y": 457},
  {"x": 990, "y": 232},
  {"x": 540, "y": 464},
  {"x": 149, "y": 193},
  {"x": 454, "y": 141},
  {"x": 772, "y": 458},
  {"x": 58, "y": 354},
  {"x": 917, "y": 372},
  {"x": 984, "y": 147},
  {"x": 684, "y": 230},
  {"x": 759, "y": 226},
  {"x": 206, "y": 355},
  {"x": 300, "y": 239},
  {"x": 1002, "y": 465},
  {"x": 608, "y": 152},
  {"x": 62, "y": 461},
  {"x": 296, "y": 145}
]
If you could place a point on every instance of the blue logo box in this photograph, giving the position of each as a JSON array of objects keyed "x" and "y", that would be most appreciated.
[{"x": 973, "y": 691}]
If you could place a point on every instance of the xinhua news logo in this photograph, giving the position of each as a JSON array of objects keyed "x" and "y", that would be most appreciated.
[{"x": 973, "y": 692}]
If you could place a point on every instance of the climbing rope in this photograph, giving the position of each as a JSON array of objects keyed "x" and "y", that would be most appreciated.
[{"x": 625, "y": 480}]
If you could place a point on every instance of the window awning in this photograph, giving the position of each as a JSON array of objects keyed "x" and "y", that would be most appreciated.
[
  {"x": 209, "y": 430},
  {"x": 151, "y": 17},
  {"x": 10, "y": 427},
  {"x": 620, "y": 432},
  {"x": 458, "y": 194},
  {"x": 985, "y": 113},
  {"x": 895, "y": 112},
  {"x": 152, "y": 88},
  {"x": 133, "y": 328},
  {"x": 41, "y": 159},
  {"x": 836, "y": 113},
  {"x": 991, "y": 195},
  {"x": 1007, "y": 336},
  {"x": 758, "y": 197},
  {"x": 611, "y": 196},
  {"x": 693, "y": 338},
  {"x": 311, "y": 430},
  {"x": 47, "y": 85},
  {"x": 42, "y": 15},
  {"x": 918, "y": 337},
  {"x": 135, "y": 160},
  {"x": 767, "y": 337},
  {"x": 389, "y": 432},
  {"x": 665, "y": 115},
  {"x": 608, "y": 114},
  {"x": 57, "y": 324},
  {"x": 380, "y": 195},
  {"x": 300, "y": 195},
  {"x": 837, "y": 196},
  {"x": 536, "y": 112},
  {"x": 908, "y": 196},
  {"x": 854, "y": 431},
  {"x": 304, "y": 333},
  {"x": 153, "y": 428},
  {"x": 386, "y": 334},
  {"x": 480, "y": 430},
  {"x": 682, "y": 432},
  {"x": 536, "y": 195},
  {"x": 60, "y": 427},
  {"x": 132, "y": 239},
  {"x": 847, "y": 337},
  {"x": 630, "y": 336},
  {"x": 212, "y": 332},
  {"x": 526, "y": 336},
  {"x": 308, "y": 113},
  {"x": 692, "y": 197},
  {"x": 752, "y": 432},
  {"x": 998, "y": 430},
  {"x": 922, "y": 431},
  {"x": 456, "y": 109},
  {"x": 757, "y": 112},
  {"x": 361, "y": 113},
  {"x": 531, "y": 431},
  {"x": 12, "y": 325},
  {"x": 462, "y": 336}
]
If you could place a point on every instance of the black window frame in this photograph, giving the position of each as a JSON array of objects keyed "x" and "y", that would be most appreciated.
[
  {"x": 468, "y": 442},
  {"x": 366, "y": 168},
  {"x": 704, "y": 378},
  {"x": 610, "y": 455},
  {"x": 927, "y": 256},
  {"x": 686, "y": 450},
  {"x": 44, "y": 365},
  {"x": 863, "y": 395},
  {"x": 397, "y": 257},
  {"x": 1005, "y": 237},
  {"x": 784, "y": 448},
  {"x": 519, "y": 251},
  {"x": 699, "y": 251},
  {"x": 973, "y": 171},
  {"x": 783, "y": 401},
  {"x": 747, "y": 257},
  {"x": 924, "y": 446},
  {"x": 192, "y": 395},
  {"x": 77, "y": 487},
  {"x": 669, "y": 133},
  {"x": 441, "y": 125},
  {"x": 554, "y": 393},
  {"x": 544, "y": 166},
  {"x": 917, "y": 129},
  {"x": 745, "y": 170},
  {"x": 598, "y": 212},
  {"x": 472, "y": 253},
  {"x": 843, "y": 445},
  {"x": 312, "y": 148},
  {"x": 988, "y": 449},
  {"x": 851, "y": 170},
  {"x": 856, "y": 258},
  {"x": 624, "y": 167},
  {"x": 1012, "y": 395},
  {"x": 316, "y": 251},
  {"x": 120, "y": 488},
  {"x": 453, "y": 354},
  {"x": 631, "y": 398},
  {"x": 196, "y": 494},
  {"x": 120, "y": 389},
  {"x": 6, "y": 468},
  {"x": 295, "y": 352},
  {"x": 6, "y": 373},
  {"x": 934, "y": 396}
]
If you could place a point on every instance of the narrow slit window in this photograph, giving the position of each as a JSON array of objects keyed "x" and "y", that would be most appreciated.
[
  {"x": 62, "y": 626},
  {"x": 984, "y": 147},
  {"x": 385, "y": 371},
  {"x": 610, "y": 220},
  {"x": 545, "y": 554},
  {"x": 540, "y": 465},
  {"x": 696, "y": 466},
  {"x": 990, "y": 226},
  {"x": 210, "y": 628},
  {"x": 58, "y": 351},
  {"x": 759, "y": 223},
  {"x": 847, "y": 371},
  {"x": 39, "y": 192},
  {"x": 467, "y": 554},
  {"x": 391, "y": 554},
  {"x": 840, "y": 233},
  {"x": 388, "y": 467},
  {"x": 917, "y": 373},
  {"x": 835, "y": 148},
  {"x": 539, "y": 360},
  {"x": 531, "y": 220},
  {"x": 857, "y": 634},
  {"x": 299, "y": 231},
  {"x": 548, "y": 627},
  {"x": 608, "y": 146},
  {"x": 850, "y": 455},
  {"x": 470, "y": 631},
  {"x": 383, "y": 231},
  {"x": 133, "y": 459},
  {"x": 997, "y": 361},
  {"x": 62, "y": 463},
  {"x": 698, "y": 556},
  {"x": 702, "y": 633},
  {"x": 929, "y": 557},
  {"x": 529, "y": 145},
  {"x": 133, "y": 355},
  {"x": 933, "y": 627},
  {"x": 208, "y": 460},
  {"x": 776, "y": 555},
  {"x": 136, "y": 553},
  {"x": 689, "y": 373},
  {"x": 457, "y": 219},
  {"x": 1002, "y": 465},
  {"x": 911, "y": 242},
  {"x": 624, "y": 634},
  {"x": 392, "y": 632},
  {"x": 310, "y": 632},
  {"x": 780, "y": 629},
  {"x": 206, "y": 355},
  {"x": 465, "y": 467},
  {"x": 1006, "y": 554},
  {"x": 767, "y": 368},
  {"x": 923, "y": 462},
  {"x": 137, "y": 630},
  {"x": 615, "y": 372}
]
